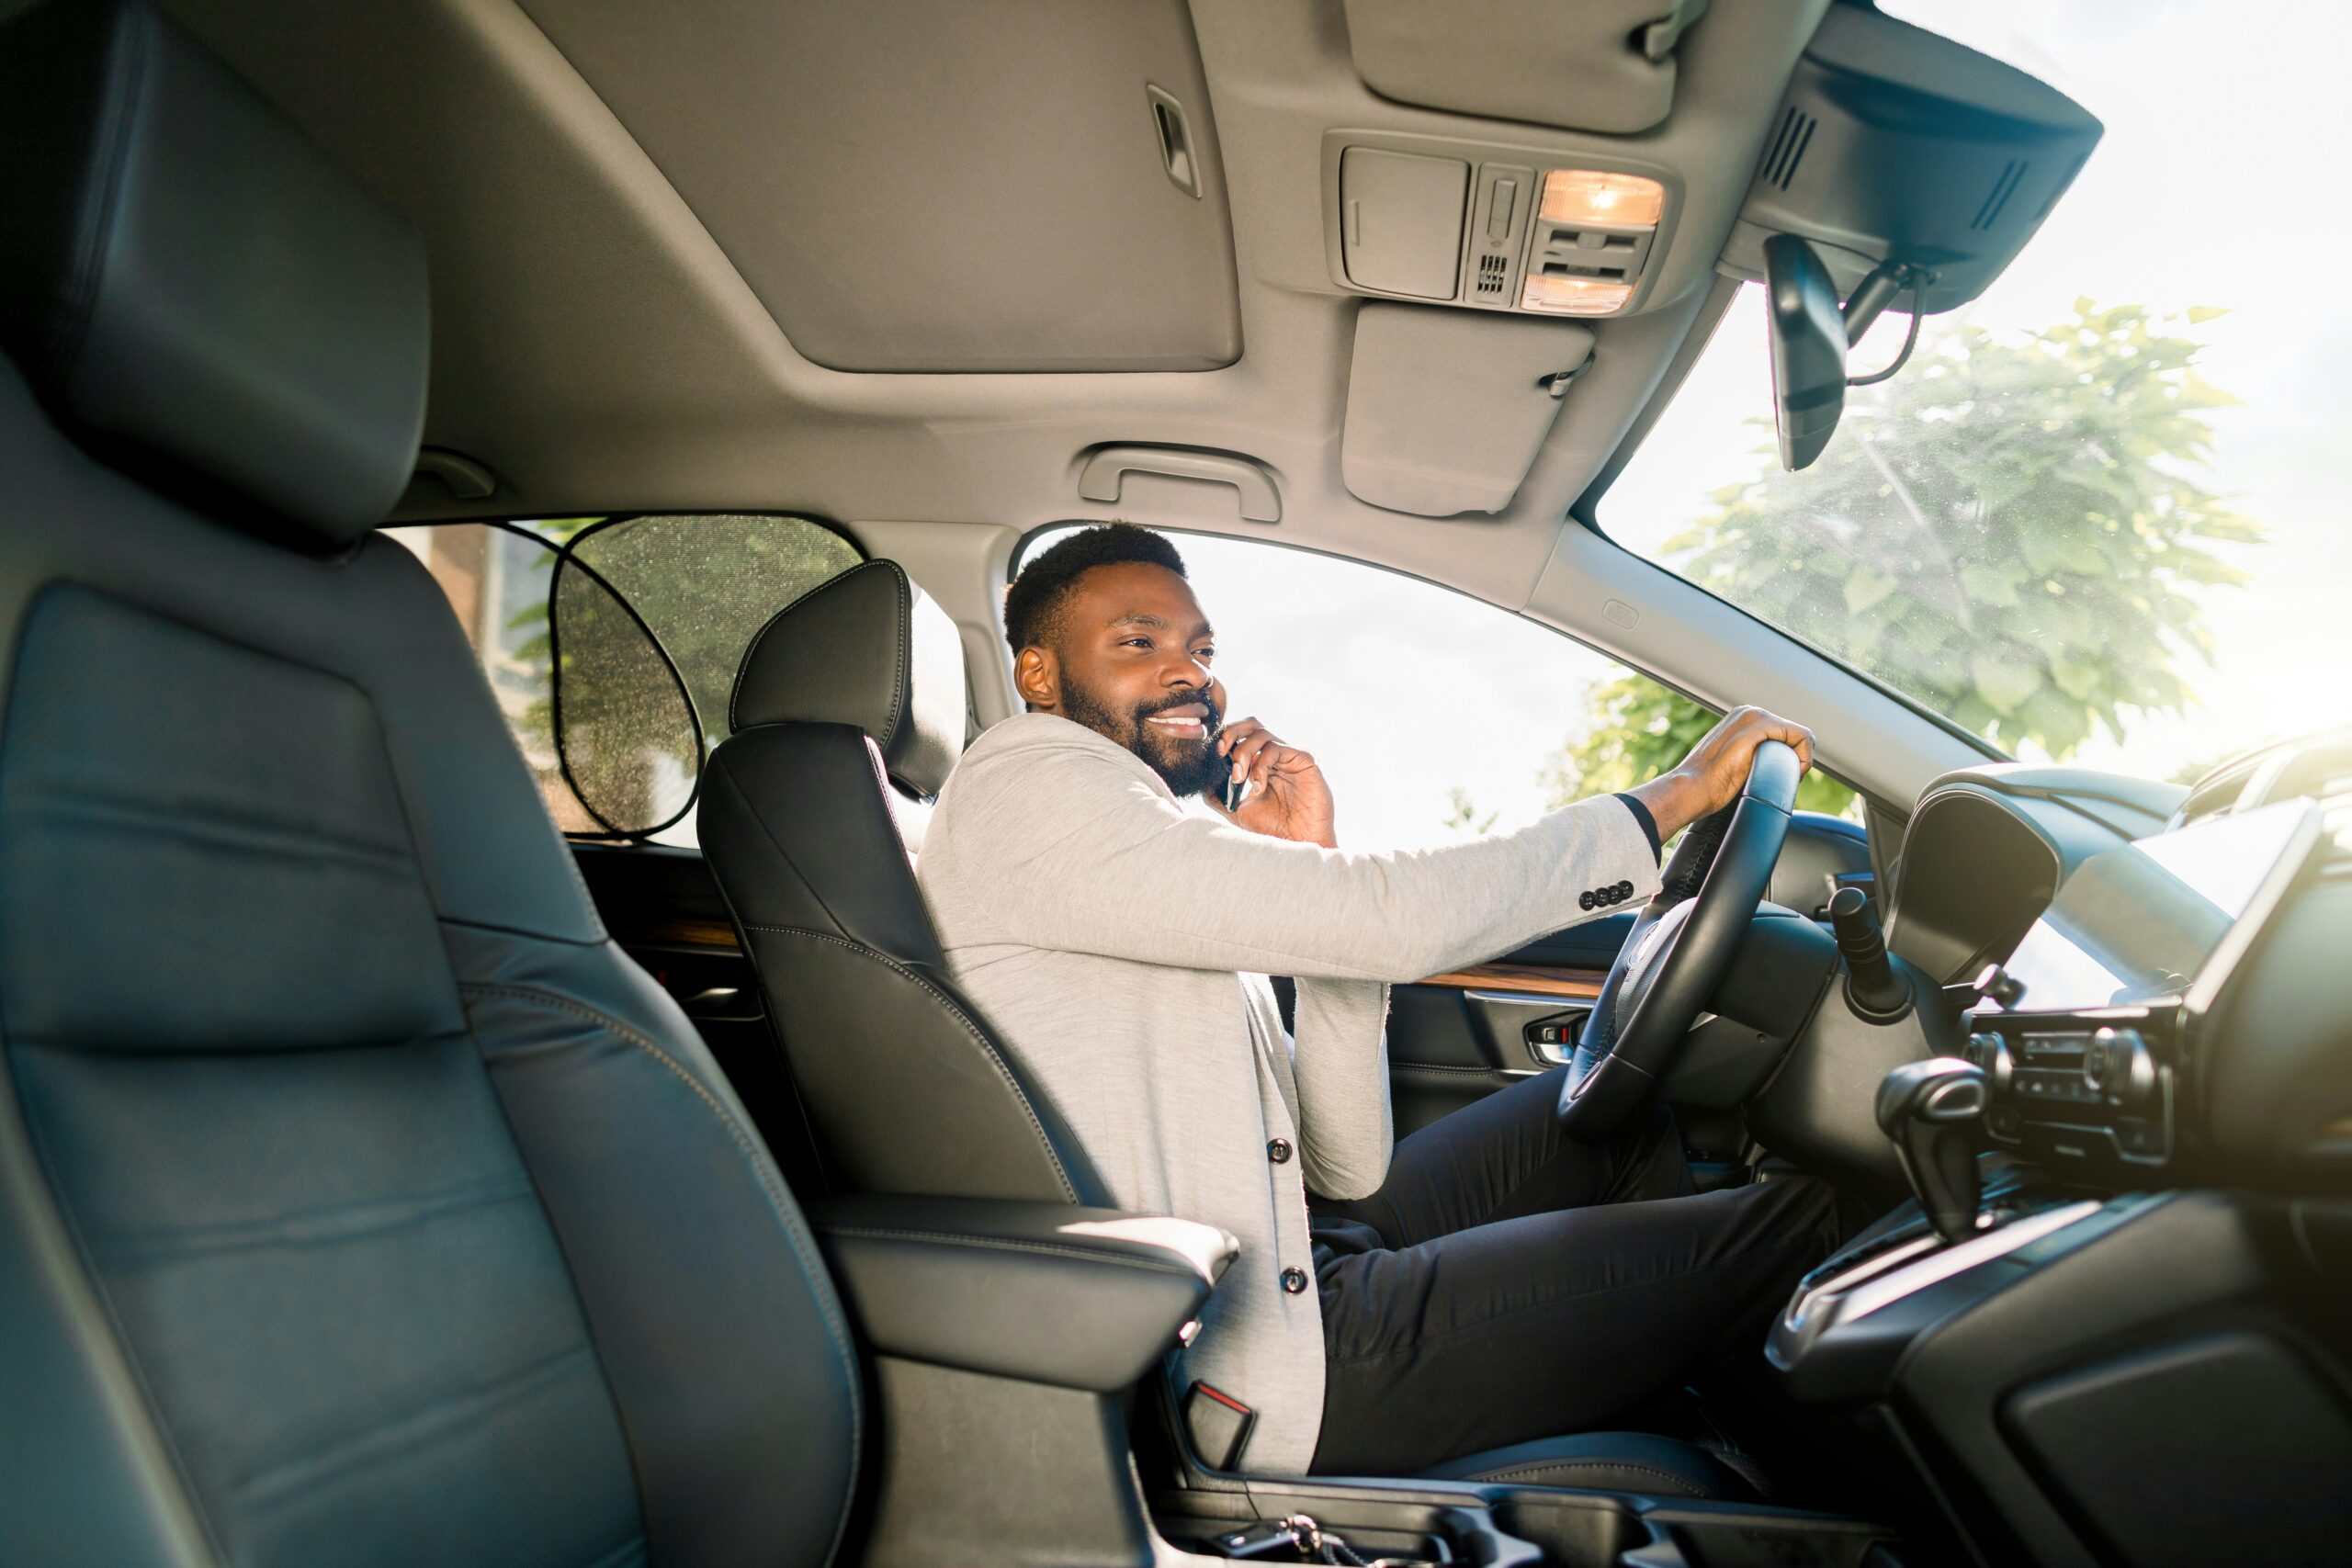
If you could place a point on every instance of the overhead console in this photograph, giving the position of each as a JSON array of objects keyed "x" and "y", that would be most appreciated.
[
  {"x": 1447, "y": 408},
  {"x": 1492, "y": 227}
]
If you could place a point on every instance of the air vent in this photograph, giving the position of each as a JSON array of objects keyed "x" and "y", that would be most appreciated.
[
  {"x": 1492, "y": 274},
  {"x": 2060, "y": 189},
  {"x": 2012, "y": 172},
  {"x": 1781, "y": 159}
]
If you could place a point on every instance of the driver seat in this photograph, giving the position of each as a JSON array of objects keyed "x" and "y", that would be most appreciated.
[{"x": 847, "y": 715}]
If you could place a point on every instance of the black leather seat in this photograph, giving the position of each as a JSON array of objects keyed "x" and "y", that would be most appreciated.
[
  {"x": 847, "y": 715},
  {"x": 359, "y": 1201}
]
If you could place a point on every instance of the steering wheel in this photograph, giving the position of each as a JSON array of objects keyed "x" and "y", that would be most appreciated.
[{"x": 1681, "y": 945}]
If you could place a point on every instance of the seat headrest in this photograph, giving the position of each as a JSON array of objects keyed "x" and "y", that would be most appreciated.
[
  {"x": 193, "y": 288},
  {"x": 866, "y": 648}
]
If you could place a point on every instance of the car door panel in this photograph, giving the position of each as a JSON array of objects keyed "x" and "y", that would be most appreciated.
[{"x": 1456, "y": 1037}]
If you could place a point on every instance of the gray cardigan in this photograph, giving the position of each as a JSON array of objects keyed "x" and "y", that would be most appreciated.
[{"x": 1120, "y": 942}]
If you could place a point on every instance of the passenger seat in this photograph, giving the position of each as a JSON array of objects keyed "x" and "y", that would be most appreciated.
[{"x": 362, "y": 1204}]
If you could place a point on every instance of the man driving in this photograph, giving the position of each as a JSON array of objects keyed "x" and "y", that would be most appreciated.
[{"x": 1486, "y": 1282}]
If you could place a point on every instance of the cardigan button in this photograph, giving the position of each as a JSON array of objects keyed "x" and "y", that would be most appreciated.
[
  {"x": 1293, "y": 1281},
  {"x": 1279, "y": 1151}
]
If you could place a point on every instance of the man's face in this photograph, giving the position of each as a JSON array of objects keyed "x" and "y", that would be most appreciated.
[{"x": 1131, "y": 663}]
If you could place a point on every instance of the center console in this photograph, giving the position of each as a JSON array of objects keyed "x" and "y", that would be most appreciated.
[
  {"x": 2088, "y": 1036},
  {"x": 2087, "y": 1359},
  {"x": 2095, "y": 1088}
]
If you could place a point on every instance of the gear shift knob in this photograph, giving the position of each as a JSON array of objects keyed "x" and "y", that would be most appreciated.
[{"x": 1929, "y": 1109}]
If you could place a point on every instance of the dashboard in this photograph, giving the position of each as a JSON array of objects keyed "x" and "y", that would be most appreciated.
[
  {"x": 2156, "y": 984},
  {"x": 2152, "y": 978}
]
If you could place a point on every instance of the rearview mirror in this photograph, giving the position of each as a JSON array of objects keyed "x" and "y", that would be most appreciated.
[{"x": 1808, "y": 349}]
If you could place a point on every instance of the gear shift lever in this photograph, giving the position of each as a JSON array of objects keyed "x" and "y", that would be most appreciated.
[{"x": 1929, "y": 1108}]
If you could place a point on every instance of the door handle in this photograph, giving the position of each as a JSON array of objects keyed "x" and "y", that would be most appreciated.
[{"x": 1544, "y": 1026}]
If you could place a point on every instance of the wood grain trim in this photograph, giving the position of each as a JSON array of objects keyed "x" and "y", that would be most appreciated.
[
  {"x": 1582, "y": 984},
  {"x": 718, "y": 936}
]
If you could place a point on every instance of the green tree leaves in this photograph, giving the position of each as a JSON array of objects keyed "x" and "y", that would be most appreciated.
[{"x": 2014, "y": 532}]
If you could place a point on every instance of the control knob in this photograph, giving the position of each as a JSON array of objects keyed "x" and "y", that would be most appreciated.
[
  {"x": 1991, "y": 1053},
  {"x": 2119, "y": 1063}
]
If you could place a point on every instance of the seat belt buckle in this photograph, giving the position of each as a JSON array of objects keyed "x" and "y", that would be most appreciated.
[{"x": 1218, "y": 1424}]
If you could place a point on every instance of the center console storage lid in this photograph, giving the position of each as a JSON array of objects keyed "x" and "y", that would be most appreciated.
[{"x": 1046, "y": 1292}]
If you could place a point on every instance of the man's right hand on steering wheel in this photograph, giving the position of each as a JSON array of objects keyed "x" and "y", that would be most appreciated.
[{"x": 1716, "y": 772}]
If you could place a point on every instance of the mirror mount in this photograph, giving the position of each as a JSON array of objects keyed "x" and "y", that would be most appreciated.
[{"x": 1874, "y": 294}]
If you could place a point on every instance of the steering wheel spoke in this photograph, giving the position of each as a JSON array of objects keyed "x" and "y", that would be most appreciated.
[{"x": 1680, "y": 947}]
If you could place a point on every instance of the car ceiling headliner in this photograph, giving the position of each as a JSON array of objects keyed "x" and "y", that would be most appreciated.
[{"x": 595, "y": 347}]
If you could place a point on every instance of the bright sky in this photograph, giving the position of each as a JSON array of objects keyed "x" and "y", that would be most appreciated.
[
  {"x": 1402, "y": 690},
  {"x": 2197, "y": 102}
]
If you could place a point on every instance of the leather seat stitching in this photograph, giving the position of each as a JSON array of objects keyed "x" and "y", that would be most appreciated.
[
  {"x": 804, "y": 1246},
  {"x": 1011, "y": 1243},
  {"x": 995, "y": 1058},
  {"x": 902, "y": 642},
  {"x": 1530, "y": 1472}
]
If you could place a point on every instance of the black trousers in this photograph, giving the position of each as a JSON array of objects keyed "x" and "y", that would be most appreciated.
[{"x": 1506, "y": 1284}]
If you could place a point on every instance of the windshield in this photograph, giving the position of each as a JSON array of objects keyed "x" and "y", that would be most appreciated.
[{"x": 2101, "y": 514}]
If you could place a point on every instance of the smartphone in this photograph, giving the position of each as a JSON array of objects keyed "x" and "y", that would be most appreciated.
[{"x": 1232, "y": 791}]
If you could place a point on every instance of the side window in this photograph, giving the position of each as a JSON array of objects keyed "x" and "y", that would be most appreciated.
[
  {"x": 706, "y": 585},
  {"x": 611, "y": 644},
  {"x": 1434, "y": 715}
]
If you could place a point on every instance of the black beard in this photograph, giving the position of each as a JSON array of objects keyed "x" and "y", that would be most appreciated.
[{"x": 1186, "y": 767}]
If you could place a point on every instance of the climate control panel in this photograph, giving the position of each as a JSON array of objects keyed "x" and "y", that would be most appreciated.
[{"x": 2081, "y": 1091}]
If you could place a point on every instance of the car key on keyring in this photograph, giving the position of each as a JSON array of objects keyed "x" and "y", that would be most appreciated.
[{"x": 1262, "y": 1539}]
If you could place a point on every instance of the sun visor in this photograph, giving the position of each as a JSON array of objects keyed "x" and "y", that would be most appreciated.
[
  {"x": 1605, "y": 65},
  {"x": 935, "y": 185},
  {"x": 1896, "y": 143},
  {"x": 1446, "y": 409}
]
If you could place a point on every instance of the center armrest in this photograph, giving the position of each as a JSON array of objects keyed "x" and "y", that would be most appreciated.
[{"x": 1047, "y": 1292}]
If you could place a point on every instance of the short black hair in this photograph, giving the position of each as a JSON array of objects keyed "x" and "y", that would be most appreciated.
[{"x": 1033, "y": 605}]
